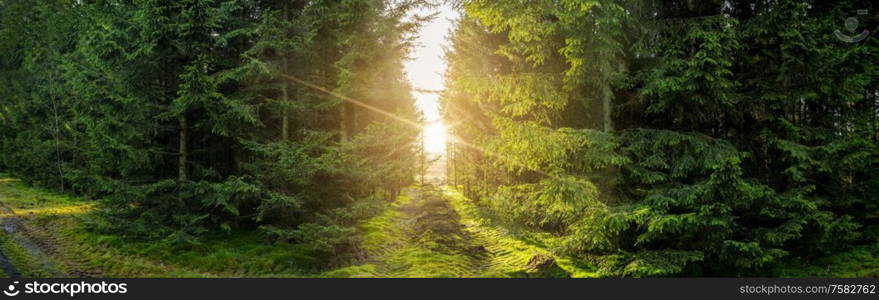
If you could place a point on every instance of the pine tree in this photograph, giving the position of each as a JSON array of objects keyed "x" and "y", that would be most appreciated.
[{"x": 707, "y": 164}]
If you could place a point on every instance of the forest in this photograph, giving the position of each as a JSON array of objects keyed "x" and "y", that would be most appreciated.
[{"x": 586, "y": 138}]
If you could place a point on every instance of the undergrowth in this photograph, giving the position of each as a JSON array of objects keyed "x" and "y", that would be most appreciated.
[
  {"x": 425, "y": 232},
  {"x": 76, "y": 250}
]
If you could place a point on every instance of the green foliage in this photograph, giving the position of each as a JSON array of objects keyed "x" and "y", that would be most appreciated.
[
  {"x": 647, "y": 263},
  {"x": 333, "y": 234},
  {"x": 655, "y": 138},
  {"x": 734, "y": 137},
  {"x": 53, "y": 238},
  {"x": 693, "y": 86},
  {"x": 692, "y": 198},
  {"x": 860, "y": 262},
  {"x": 550, "y": 204},
  {"x": 185, "y": 118}
]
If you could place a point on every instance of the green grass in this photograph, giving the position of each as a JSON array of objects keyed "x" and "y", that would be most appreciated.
[
  {"x": 240, "y": 254},
  {"x": 859, "y": 262},
  {"x": 394, "y": 248},
  {"x": 28, "y": 265},
  {"x": 354, "y": 271},
  {"x": 59, "y": 220},
  {"x": 412, "y": 237},
  {"x": 382, "y": 235},
  {"x": 511, "y": 249},
  {"x": 421, "y": 261},
  {"x": 422, "y": 239}
]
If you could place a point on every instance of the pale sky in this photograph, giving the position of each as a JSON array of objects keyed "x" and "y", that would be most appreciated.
[{"x": 425, "y": 71}]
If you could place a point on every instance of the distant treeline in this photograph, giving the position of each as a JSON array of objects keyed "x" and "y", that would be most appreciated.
[{"x": 669, "y": 138}]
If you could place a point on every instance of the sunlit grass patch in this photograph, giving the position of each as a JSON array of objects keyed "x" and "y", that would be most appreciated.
[
  {"x": 423, "y": 233},
  {"x": 383, "y": 232},
  {"x": 355, "y": 271},
  {"x": 383, "y": 237},
  {"x": 48, "y": 211},
  {"x": 416, "y": 237},
  {"x": 15, "y": 194},
  {"x": 59, "y": 221},
  {"x": 511, "y": 253},
  {"x": 417, "y": 261}
]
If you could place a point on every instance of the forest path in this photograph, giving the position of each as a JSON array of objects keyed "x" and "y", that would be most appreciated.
[
  {"x": 433, "y": 232},
  {"x": 28, "y": 250}
]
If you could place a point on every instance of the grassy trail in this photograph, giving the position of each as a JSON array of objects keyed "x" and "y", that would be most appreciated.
[
  {"x": 438, "y": 233},
  {"x": 515, "y": 253},
  {"x": 419, "y": 235},
  {"x": 426, "y": 232},
  {"x": 44, "y": 235}
]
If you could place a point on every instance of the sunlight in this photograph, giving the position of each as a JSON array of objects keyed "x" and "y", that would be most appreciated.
[
  {"x": 435, "y": 136},
  {"x": 425, "y": 71}
]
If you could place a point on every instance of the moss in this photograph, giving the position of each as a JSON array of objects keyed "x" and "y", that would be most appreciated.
[
  {"x": 78, "y": 251},
  {"x": 355, "y": 271},
  {"x": 382, "y": 233},
  {"x": 423, "y": 233},
  {"x": 859, "y": 262},
  {"x": 426, "y": 233},
  {"x": 27, "y": 264},
  {"x": 511, "y": 253},
  {"x": 418, "y": 236},
  {"x": 420, "y": 261}
]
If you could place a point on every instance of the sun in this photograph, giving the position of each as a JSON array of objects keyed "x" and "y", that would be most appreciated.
[
  {"x": 435, "y": 137},
  {"x": 425, "y": 72}
]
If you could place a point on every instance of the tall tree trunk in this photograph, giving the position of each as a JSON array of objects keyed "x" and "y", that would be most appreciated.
[
  {"x": 285, "y": 135},
  {"x": 57, "y": 136},
  {"x": 343, "y": 115},
  {"x": 874, "y": 112},
  {"x": 184, "y": 151},
  {"x": 423, "y": 156},
  {"x": 606, "y": 114},
  {"x": 348, "y": 121},
  {"x": 455, "y": 164},
  {"x": 352, "y": 119},
  {"x": 284, "y": 113}
]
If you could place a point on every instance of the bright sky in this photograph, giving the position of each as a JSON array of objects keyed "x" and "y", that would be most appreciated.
[{"x": 425, "y": 71}]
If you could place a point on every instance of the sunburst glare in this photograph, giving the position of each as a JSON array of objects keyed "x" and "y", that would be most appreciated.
[
  {"x": 425, "y": 72},
  {"x": 435, "y": 137}
]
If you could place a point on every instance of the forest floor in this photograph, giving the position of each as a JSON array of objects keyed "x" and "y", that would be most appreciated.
[
  {"x": 431, "y": 232},
  {"x": 45, "y": 235},
  {"x": 428, "y": 231}
]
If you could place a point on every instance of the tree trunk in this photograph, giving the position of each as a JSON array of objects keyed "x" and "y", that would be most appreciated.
[
  {"x": 423, "y": 155},
  {"x": 608, "y": 125},
  {"x": 343, "y": 123},
  {"x": 285, "y": 135},
  {"x": 57, "y": 136},
  {"x": 284, "y": 113},
  {"x": 348, "y": 120},
  {"x": 184, "y": 152}
]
